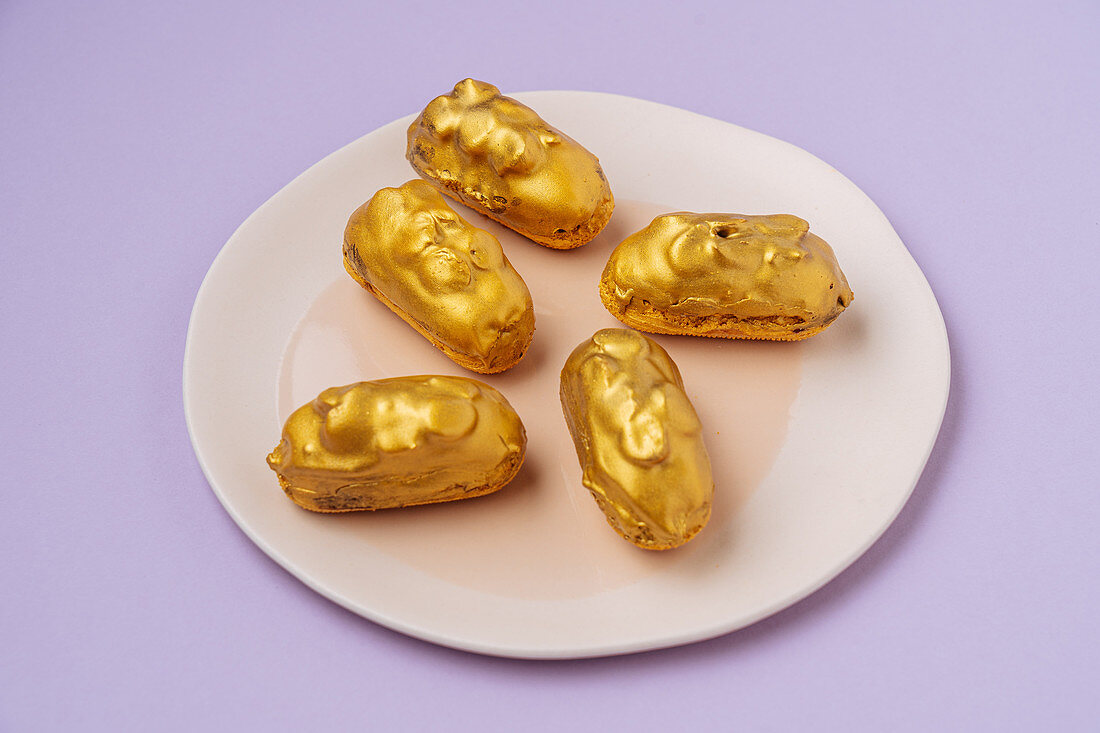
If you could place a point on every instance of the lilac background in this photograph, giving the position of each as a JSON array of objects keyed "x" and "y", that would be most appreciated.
[{"x": 135, "y": 137}]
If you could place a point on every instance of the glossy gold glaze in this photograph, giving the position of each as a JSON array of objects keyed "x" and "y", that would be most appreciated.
[
  {"x": 398, "y": 442},
  {"x": 448, "y": 279},
  {"x": 727, "y": 275},
  {"x": 500, "y": 158},
  {"x": 638, "y": 438}
]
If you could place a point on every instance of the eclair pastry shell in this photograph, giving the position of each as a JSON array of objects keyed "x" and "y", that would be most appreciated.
[
  {"x": 448, "y": 279},
  {"x": 398, "y": 442},
  {"x": 638, "y": 438},
  {"x": 501, "y": 159},
  {"x": 725, "y": 275}
]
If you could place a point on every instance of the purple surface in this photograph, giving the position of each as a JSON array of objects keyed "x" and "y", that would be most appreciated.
[{"x": 134, "y": 139}]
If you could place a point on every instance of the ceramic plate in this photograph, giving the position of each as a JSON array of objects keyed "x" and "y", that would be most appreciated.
[{"x": 815, "y": 445}]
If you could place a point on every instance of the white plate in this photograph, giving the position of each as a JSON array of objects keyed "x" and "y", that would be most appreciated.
[{"x": 816, "y": 445}]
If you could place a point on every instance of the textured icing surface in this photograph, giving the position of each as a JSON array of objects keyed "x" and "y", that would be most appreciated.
[
  {"x": 638, "y": 438},
  {"x": 398, "y": 442},
  {"x": 499, "y": 157},
  {"x": 449, "y": 279},
  {"x": 725, "y": 275}
]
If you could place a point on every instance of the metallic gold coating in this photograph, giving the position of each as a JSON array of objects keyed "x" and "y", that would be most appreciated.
[
  {"x": 448, "y": 279},
  {"x": 398, "y": 442},
  {"x": 638, "y": 438},
  {"x": 727, "y": 275},
  {"x": 500, "y": 158}
]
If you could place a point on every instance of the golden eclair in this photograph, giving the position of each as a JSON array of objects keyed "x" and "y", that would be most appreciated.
[
  {"x": 500, "y": 158},
  {"x": 398, "y": 442},
  {"x": 638, "y": 438},
  {"x": 725, "y": 275},
  {"x": 445, "y": 277}
]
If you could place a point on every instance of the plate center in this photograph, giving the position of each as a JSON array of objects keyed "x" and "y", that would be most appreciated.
[{"x": 542, "y": 536}]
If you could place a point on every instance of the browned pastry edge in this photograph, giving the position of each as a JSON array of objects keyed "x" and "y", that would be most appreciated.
[
  {"x": 651, "y": 320},
  {"x": 502, "y": 475}
]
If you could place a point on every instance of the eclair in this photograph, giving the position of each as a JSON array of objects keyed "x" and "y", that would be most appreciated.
[
  {"x": 398, "y": 442},
  {"x": 725, "y": 275},
  {"x": 638, "y": 438},
  {"x": 446, "y": 278},
  {"x": 500, "y": 158}
]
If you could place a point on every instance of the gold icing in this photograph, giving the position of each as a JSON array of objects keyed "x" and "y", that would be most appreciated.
[
  {"x": 638, "y": 438},
  {"x": 728, "y": 275},
  {"x": 448, "y": 279},
  {"x": 398, "y": 442},
  {"x": 500, "y": 158}
]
